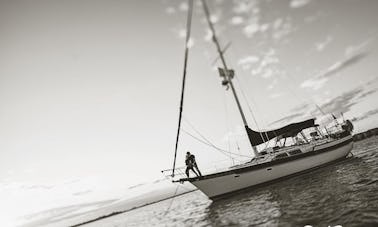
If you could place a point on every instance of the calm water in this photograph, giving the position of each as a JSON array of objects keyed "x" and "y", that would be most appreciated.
[{"x": 344, "y": 194}]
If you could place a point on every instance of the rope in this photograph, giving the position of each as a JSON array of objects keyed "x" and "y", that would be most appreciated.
[{"x": 188, "y": 28}]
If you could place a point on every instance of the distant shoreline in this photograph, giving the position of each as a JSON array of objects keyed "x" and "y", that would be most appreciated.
[
  {"x": 133, "y": 208},
  {"x": 364, "y": 135},
  {"x": 357, "y": 137}
]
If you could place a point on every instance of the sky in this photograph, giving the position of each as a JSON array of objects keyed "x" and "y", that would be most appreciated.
[{"x": 90, "y": 90}]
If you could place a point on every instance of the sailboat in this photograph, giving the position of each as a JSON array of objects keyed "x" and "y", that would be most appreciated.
[{"x": 273, "y": 163}]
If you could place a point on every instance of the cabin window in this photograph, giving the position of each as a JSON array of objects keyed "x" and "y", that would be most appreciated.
[
  {"x": 282, "y": 155},
  {"x": 295, "y": 152}
]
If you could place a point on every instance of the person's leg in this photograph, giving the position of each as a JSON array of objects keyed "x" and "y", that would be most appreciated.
[
  {"x": 187, "y": 171},
  {"x": 196, "y": 167},
  {"x": 194, "y": 171}
]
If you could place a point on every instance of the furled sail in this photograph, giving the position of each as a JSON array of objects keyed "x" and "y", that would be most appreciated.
[{"x": 290, "y": 130}]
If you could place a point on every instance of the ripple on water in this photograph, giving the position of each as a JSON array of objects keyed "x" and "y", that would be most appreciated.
[{"x": 344, "y": 194}]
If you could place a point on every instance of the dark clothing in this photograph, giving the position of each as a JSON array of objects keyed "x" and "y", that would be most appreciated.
[
  {"x": 196, "y": 167},
  {"x": 190, "y": 162},
  {"x": 190, "y": 168}
]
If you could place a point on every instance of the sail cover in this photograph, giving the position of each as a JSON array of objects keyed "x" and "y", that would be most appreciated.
[{"x": 290, "y": 130}]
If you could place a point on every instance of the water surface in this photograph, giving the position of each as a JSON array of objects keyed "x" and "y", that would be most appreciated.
[{"x": 344, "y": 194}]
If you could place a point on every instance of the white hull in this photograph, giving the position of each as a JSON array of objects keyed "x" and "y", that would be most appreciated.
[{"x": 231, "y": 181}]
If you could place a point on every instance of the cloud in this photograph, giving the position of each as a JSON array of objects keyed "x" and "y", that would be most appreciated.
[
  {"x": 276, "y": 95},
  {"x": 267, "y": 73},
  {"x": 339, "y": 104},
  {"x": 366, "y": 115},
  {"x": 80, "y": 193},
  {"x": 190, "y": 43},
  {"x": 270, "y": 57},
  {"x": 251, "y": 29},
  {"x": 277, "y": 23},
  {"x": 297, "y": 113},
  {"x": 341, "y": 65},
  {"x": 352, "y": 55},
  {"x": 208, "y": 35},
  {"x": 298, "y": 3},
  {"x": 282, "y": 28},
  {"x": 266, "y": 64},
  {"x": 288, "y": 118},
  {"x": 264, "y": 27},
  {"x": 247, "y": 61},
  {"x": 39, "y": 186},
  {"x": 314, "y": 83},
  {"x": 250, "y": 19},
  {"x": 343, "y": 102},
  {"x": 243, "y": 7},
  {"x": 338, "y": 66},
  {"x": 301, "y": 107},
  {"x": 321, "y": 45},
  {"x": 183, "y": 6},
  {"x": 372, "y": 81},
  {"x": 180, "y": 32},
  {"x": 237, "y": 20},
  {"x": 214, "y": 18},
  {"x": 367, "y": 93},
  {"x": 355, "y": 49},
  {"x": 136, "y": 186},
  {"x": 170, "y": 10},
  {"x": 272, "y": 84},
  {"x": 319, "y": 80}
]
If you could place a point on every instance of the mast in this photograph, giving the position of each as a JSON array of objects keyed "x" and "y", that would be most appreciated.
[
  {"x": 227, "y": 75},
  {"x": 188, "y": 28}
]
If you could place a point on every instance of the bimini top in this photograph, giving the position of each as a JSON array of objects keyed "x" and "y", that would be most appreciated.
[{"x": 290, "y": 130}]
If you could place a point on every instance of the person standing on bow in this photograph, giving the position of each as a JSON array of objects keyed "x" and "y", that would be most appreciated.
[{"x": 190, "y": 161}]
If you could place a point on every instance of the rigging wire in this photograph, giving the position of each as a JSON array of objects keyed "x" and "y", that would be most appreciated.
[
  {"x": 257, "y": 110},
  {"x": 188, "y": 29},
  {"x": 225, "y": 152},
  {"x": 205, "y": 141},
  {"x": 227, "y": 77},
  {"x": 289, "y": 89},
  {"x": 250, "y": 110},
  {"x": 249, "y": 106},
  {"x": 229, "y": 128},
  {"x": 227, "y": 121},
  {"x": 308, "y": 101},
  {"x": 173, "y": 197},
  {"x": 228, "y": 125}
]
